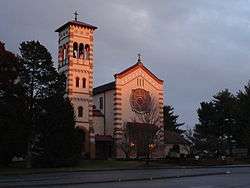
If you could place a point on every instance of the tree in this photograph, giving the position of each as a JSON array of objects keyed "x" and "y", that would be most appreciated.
[
  {"x": 189, "y": 136},
  {"x": 170, "y": 120},
  {"x": 215, "y": 131},
  {"x": 243, "y": 117},
  {"x": 150, "y": 116},
  {"x": 145, "y": 130},
  {"x": 57, "y": 141},
  {"x": 126, "y": 144},
  {"x": 206, "y": 132},
  {"x": 13, "y": 123},
  {"x": 39, "y": 73},
  {"x": 54, "y": 141}
]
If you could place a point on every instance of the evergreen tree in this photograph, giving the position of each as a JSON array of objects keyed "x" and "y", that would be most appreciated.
[
  {"x": 244, "y": 117},
  {"x": 170, "y": 120},
  {"x": 55, "y": 141},
  {"x": 39, "y": 75},
  {"x": 206, "y": 132},
  {"x": 13, "y": 126},
  {"x": 217, "y": 124}
]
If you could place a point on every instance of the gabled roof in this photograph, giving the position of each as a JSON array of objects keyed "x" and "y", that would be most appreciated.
[
  {"x": 77, "y": 23},
  {"x": 97, "y": 113},
  {"x": 172, "y": 137},
  {"x": 105, "y": 87},
  {"x": 133, "y": 68}
]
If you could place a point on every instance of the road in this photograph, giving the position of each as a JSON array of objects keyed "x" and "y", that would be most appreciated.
[
  {"x": 221, "y": 177},
  {"x": 217, "y": 181}
]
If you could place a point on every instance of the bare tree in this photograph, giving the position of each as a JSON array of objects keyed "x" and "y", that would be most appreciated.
[
  {"x": 151, "y": 115},
  {"x": 146, "y": 131},
  {"x": 126, "y": 145}
]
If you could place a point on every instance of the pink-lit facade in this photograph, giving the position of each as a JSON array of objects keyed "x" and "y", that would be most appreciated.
[{"x": 102, "y": 112}]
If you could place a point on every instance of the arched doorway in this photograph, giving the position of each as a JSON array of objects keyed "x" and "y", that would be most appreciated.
[{"x": 84, "y": 142}]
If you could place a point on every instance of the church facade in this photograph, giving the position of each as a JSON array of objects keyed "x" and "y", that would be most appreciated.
[{"x": 134, "y": 98}]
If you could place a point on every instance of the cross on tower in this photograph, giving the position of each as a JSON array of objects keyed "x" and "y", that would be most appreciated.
[
  {"x": 139, "y": 58},
  {"x": 76, "y": 14}
]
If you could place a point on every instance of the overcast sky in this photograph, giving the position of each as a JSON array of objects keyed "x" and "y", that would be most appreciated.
[{"x": 197, "y": 47}]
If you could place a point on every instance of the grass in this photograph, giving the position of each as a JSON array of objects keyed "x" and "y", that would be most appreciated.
[{"x": 19, "y": 168}]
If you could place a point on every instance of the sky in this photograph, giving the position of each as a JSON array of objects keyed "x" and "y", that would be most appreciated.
[{"x": 198, "y": 47}]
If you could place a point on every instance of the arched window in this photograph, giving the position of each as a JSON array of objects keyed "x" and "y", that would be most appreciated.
[
  {"x": 87, "y": 50},
  {"x": 60, "y": 53},
  {"x": 84, "y": 83},
  {"x": 64, "y": 52},
  {"x": 67, "y": 52},
  {"x": 80, "y": 111},
  {"x": 77, "y": 81},
  {"x": 75, "y": 50},
  {"x": 60, "y": 56},
  {"x": 81, "y": 51}
]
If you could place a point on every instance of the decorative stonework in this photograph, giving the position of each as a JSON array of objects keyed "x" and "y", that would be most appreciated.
[
  {"x": 78, "y": 66},
  {"x": 140, "y": 100}
]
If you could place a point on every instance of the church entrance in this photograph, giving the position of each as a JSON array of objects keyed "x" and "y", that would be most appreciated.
[
  {"x": 104, "y": 146},
  {"x": 142, "y": 135}
]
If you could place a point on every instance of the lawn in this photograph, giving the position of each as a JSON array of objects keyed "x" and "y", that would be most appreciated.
[{"x": 18, "y": 168}]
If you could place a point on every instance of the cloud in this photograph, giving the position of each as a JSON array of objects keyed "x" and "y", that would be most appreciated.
[{"x": 198, "y": 46}]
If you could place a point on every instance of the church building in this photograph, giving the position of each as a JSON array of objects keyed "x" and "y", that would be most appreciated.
[{"x": 133, "y": 99}]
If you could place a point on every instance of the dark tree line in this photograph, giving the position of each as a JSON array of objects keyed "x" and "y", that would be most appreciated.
[
  {"x": 224, "y": 124},
  {"x": 36, "y": 119}
]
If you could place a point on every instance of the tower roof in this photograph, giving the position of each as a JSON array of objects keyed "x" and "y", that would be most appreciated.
[{"x": 77, "y": 23}]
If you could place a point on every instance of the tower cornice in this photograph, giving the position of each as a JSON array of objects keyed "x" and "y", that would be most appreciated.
[{"x": 76, "y": 23}]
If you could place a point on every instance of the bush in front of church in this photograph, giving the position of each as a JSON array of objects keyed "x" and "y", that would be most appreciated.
[{"x": 57, "y": 141}]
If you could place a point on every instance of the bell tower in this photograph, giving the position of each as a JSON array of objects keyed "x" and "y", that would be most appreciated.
[{"x": 75, "y": 60}]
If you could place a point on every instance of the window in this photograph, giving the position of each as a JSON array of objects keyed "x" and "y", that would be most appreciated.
[
  {"x": 64, "y": 52},
  {"x": 87, "y": 49},
  {"x": 77, "y": 82},
  {"x": 75, "y": 50},
  {"x": 101, "y": 102},
  {"x": 81, "y": 51},
  {"x": 140, "y": 82},
  {"x": 80, "y": 111},
  {"x": 84, "y": 83},
  {"x": 60, "y": 53}
]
